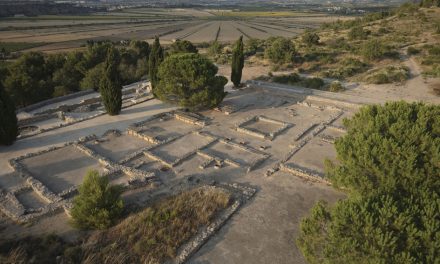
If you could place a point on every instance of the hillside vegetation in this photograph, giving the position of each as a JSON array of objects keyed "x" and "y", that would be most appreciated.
[{"x": 371, "y": 49}]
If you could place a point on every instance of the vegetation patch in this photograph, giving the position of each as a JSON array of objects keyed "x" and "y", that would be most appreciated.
[
  {"x": 388, "y": 74},
  {"x": 155, "y": 234},
  {"x": 393, "y": 204},
  {"x": 347, "y": 68},
  {"x": 295, "y": 79},
  {"x": 152, "y": 235}
]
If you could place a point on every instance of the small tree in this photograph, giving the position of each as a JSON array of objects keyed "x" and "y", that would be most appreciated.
[
  {"x": 280, "y": 50},
  {"x": 98, "y": 204},
  {"x": 156, "y": 58},
  {"x": 8, "y": 119},
  {"x": 190, "y": 80},
  {"x": 110, "y": 86},
  {"x": 237, "y": 62}
]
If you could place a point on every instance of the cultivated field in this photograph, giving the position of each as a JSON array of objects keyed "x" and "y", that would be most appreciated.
[{"x": 61, "y": 33}]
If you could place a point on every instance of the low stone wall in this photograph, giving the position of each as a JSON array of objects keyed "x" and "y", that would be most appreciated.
[
  {"x": 305, "y": 131},
  {"x": 304, "y": 173},
  {"x": 189, "y": 118},
  {"x": 328, "y": 138},
  {"x": 56, "y": 202},
  {"x": 81, "y": 119},
  {"x": 179, "y": 160},
  {"x": 241, "y": 127}
]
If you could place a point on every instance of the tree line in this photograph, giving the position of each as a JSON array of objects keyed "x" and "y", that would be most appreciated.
[
  {"x": 177, "y": 75},
  {"x": 35, "y": 77}
]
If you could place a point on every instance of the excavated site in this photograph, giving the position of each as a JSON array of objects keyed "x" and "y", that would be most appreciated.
[{"x": 265, "y": 145}]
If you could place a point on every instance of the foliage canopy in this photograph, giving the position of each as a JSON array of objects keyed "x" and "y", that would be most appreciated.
[
  {"x": 98, "y": 204},
  {"x": 390, "y": 163},
  {"x": 280, "y": 50},
  {"x": 190, "y": 80},
  {"x": 8, "y": 119}
]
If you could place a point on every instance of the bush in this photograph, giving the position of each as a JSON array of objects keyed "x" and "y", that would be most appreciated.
[
  {"x": 310, "y": 38},
  {"x": 280, "y": 50},
  {"x": 98, "y": 204},
  {"x": 373, "y": 50},
  {"x": 389, "y": 74},
  {"x": 182, "y": 46},
  {"x": 349, "y": 67},
  {"x": 190, "y": 80},
  {"x": 358, "y": 32},
  {"x": 336, "y": 87},
  {"x": 295, "y": 79},
  {"x": 388, "y": 163},
  {"x": 215, "y": 49}
]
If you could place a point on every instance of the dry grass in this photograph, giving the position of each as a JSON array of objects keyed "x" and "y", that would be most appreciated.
[{"x": 154, "y": 234}]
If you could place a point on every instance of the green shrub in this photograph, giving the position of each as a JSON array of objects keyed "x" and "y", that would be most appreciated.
[
  {"x": 182, "y": 46},
  {"x": 98, "y": 204},
  {"x": 349, "y": 67},
  {"x": 295, "y": 79},
  {"x": 280, "y": 50},
  {"x": 190, "y": 80},
  {"x": 389, "y": 74},
  {"x": 313, "y": 83},
  {"x": 373, "y": 50},
  {"x": 336, "y": 87},
  {"x": 310, "y": 38},
  {"x": 290, "y": 79},
  {"x": 357, "y": 32}
]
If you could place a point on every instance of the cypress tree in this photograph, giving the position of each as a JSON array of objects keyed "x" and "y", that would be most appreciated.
[
  {"x": 237, "y": 62},
  {"x": 156, "y": 57},
  {"x": 110, "y": 85},
  {"x": 8, "y": 119}
]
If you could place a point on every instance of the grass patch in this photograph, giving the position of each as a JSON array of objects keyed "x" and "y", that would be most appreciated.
[
  {"x": 17, "y": 46},
  {"x": 154, "y": 234},
  {"x": 388, "y": 74}
]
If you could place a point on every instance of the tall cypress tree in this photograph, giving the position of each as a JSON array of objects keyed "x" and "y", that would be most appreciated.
[
  {"x": 8, "y": 119},
  {"x": 237, "y": 62},
  {"x": 110, "y": 85},
  {"x": 156, "y": 57}
]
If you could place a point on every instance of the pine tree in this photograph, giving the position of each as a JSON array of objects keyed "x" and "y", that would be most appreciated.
[
  {"x": 110, "y": 86},
  {"x": 8, "y": 119},
  {"x": 98, "y": 204},
  {"x": 156, "y": 57},
  {"x": 237, "y": 62}
]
